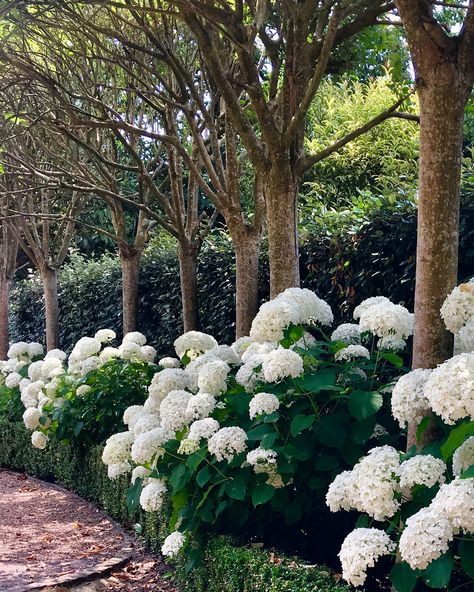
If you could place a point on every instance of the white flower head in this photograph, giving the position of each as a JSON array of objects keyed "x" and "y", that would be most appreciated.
[
  {"x": 463, "y": 457},
  {"x": 194, "y": 343},
  {"x": 167, "y": 380},
  {"x": 348, "y": 333},
  {"x": 386, "y": 319},
  {"x": 169, "y": 362},
  {"x": 131, "y": 351},
  {"x": 360, "y": 550},
  {"x": 117, "y": 448},
  {"x": 31, "y": 418},
  {"x": 173, "y": 410},
  {"x": 115, "y": 471},
  {"x": 109, "y": 353},
  {"x": 139, "y": 473},
  {"x": 273, "y": 318},
  {"x": 35, "y": 371},
  {"x": 450, "y": 389},
  {"x": 82, "y": 390},
  {"x": 152, "y": 495},
  {"x": 282, "y": 363},
  {"x": 39, "y": 440},
  {"x": 455, "y": 501},
  {"x": 368, "y": 303},
  {"x": 52, "y": 367},
  {"x": 247, "y": 375},
  {"x": 147, "y": 354},
  {"x": 311, "y": 308},
  {"x": 105, "y": 335},
  {"x": 212, "y": 377},
  {"x": 258, "y": 349},
  {"x": 131, "y": 414},
  {"x": 227, "y": 442},
  {"x": 263, "y": 404},
  {"x": 240, "y": 345},
  {"x": 173, "y": 544},
  {"x": 391, "y": 343},
  {"x": 145, "y": 422},
  {"x": 134, "y": 337},
  {"x": 203, "y": 428},
  {"x": 200, "y": 406},
  {"x": 464, "y": 340},
  {"x": 352, "y": 351},
  {"x": 56, "y": 353},
  {"x": 422, "y": 469},
  {"x": 150, "y": 445},
  {"x": 12, "y": 380},
  {"x": 458, "y": 307},
  {"x": 409, "y": 403}
]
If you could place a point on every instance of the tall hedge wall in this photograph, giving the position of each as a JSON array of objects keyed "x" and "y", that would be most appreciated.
[
  {"x": 343, "y": 267},
  {"x": 225, "y": 566}
]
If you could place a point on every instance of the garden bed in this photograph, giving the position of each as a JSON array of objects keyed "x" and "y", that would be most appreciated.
[{"x": 225, "y": 567}]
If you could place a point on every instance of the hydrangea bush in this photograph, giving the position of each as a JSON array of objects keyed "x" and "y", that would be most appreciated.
[
  {"x": 425, "y": 497},
  {"x": 253, "y": 432},
  {"x": 82, "y": 396}
]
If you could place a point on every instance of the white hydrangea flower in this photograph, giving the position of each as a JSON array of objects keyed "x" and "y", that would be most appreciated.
[
  {"x": 83, "y": 390},
  {"x": 169, "y": 362},
  {"x": 305, "y": 342},
  {"x": 281, "y": 363},
  {"x": 386, "y": 319},
  {"x": 212, "y": 377},
  {"x": 148, "y": 445},
  {"x": 56, "y": 353},
  {"x": 24, "y": 382},
  {"x": 12, "y": 380},
  {"x": 152, "y": 495},
  {"x": 108, "y": 353},
  {"x": 240, "y": 345},
  {"x": 147, "y": 353},
  {"x": 262, "y": 461},
  {"x": 458, "y": 307},
  {"x": 351, "y": 351},
  {"x": 84, "y": 348},
  {"x": 203, "y": 428},
  {"x": 371, "y": 485},
  {"x": 263, "y": 404},
  {"x": 455, "y": 501},
  {"x": 463, "y": 457},
  {"x": 31, "y": 418},
  {"x": 225, "y": 353},
  {"x": 18, "y": 350},
  {"x": 194, "y": 343},
  {"x": 89, "y": 365},
  {"x": 35, "y": 372},
  {"x": 227, "y": 442},
  {"x": 464, "y": 340},
  {"x": 188, "y": 446},
  {"x": 39, "y": 440},
  {"x": 29, "y": 395},
  {"x": 450, "y": 389},
  {"x": 348, "y": 333},
  {"x": 426, "y": 537},
  {"x": 391, "y": 343},
  {"x": 339, "y": 494},
  {"x": 200, "y": 406},
  {"x": 152, "y": 405},
  {"x": 409, "y": 403},
  {"x": 105, "y": 335},
  {"x": 145, "y": 422},
  {"x": 367, "y": 303},
  {"x": 360, "y": 550},
  {"x": 131, "y": 351},
  {"x": 131, "y": 414},
  {"x": 258, "y": 349},
  {"x": 117, "y": 448},
  {"x": 34, "y": 349},
  {"x": 173, "y": 410},
  {"x": 173, "y": 544},
  {"x": 167, "y": 380},
  {"x": 139, "y": 473},
  {"x": 247, "y": 375},
  {"x": 52, "y": 367},
  {"x": 134, "y": 337},
  {"x": 422, "y": 469},
  {"x": 273, "y": 318},
  {"x": 115, "y": 471},
  {"x": 311, "y": 308}
]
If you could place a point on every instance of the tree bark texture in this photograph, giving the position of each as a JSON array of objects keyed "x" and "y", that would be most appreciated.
[
  {"x": 4, "y": 333},
  {"x": 130, "y": 263},
  {"x": 247, "y": 251},
  {"x": 188, "y": 280},
  {"x": 281, "y": 189},
  {"x": 49, "y": 276},
  {"x": 441, "y": 132}
]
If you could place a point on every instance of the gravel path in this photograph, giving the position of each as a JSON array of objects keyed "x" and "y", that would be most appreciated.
[{"x": 50, "y": 537}]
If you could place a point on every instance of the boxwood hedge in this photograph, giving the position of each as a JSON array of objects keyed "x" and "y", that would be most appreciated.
[{"x": 225, "y": 566}]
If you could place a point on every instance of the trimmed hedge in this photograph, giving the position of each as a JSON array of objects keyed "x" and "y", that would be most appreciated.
[
  {"x": 224, "y": 567},
  {"x": 343, "y": 266}
]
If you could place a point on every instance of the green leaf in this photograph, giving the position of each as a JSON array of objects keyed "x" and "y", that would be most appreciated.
[
  {"x": 322, "y": 380},
  {"x": 262, "y": 494},
  {"x": 363, "y": 430},
  {"x": 300, "y": 423},
  {"x": 466, "y": 553},
  {"x": 363, "y": 404},
  {"x": 133, "y": 496},
  {"x": 260, "y": 432},
  {"x": 203, "y": 476},
  {"x": 326, "y": 462},
  {"x": 403, "y": 577},
  {"x": 468, "y": 473},
  {"x": 178, "y": 477},
  {"x": 236, "y": 488},
  {"x": 438, "y": 572},
  {"x": 456, "y": 438},
  {"x": 395, "y": 360},
  {"x": 331, "y": 431}
]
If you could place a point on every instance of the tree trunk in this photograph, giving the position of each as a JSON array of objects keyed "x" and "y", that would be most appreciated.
[
  {"x": 441, "y": 133},
  {"x": 188, "y": 280},
  {"x": 130, "y": 262},
  {"x": 49, "y": 276},
  {"x": 247, "y": 250},
  {"x": 4, "y": 334},
  {"x": 281, "y": 190}
]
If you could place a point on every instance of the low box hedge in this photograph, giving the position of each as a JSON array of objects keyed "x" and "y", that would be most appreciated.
[{"x": 225, "y": 566}]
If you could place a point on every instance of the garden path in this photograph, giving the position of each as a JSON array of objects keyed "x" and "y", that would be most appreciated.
[{"x": 51, "y": 538}]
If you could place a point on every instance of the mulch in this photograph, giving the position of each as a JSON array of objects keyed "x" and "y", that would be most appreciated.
[{"x": 52, "y": 537}]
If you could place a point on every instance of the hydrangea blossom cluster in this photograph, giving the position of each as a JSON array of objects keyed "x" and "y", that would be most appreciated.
[
  {"x": 387, "y": 319},
  {"x": 409, "y": 403},
  {"x": 173, "y": 544},
  {"x": 263, "y": 404},
  {"x": 458, "y": 307},
  {"x": 348, "y": 333},
  {"x": 227, "y": 442},
  {"x": 351, "y": 351}
]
